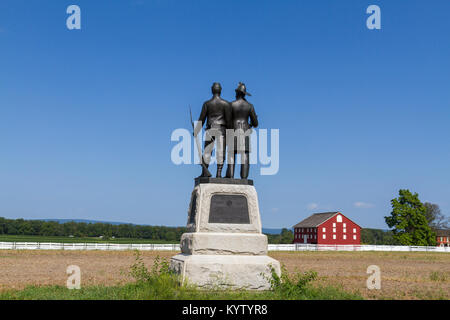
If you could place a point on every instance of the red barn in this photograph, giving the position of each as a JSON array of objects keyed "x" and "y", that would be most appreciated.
[
  {"x": 443, "y": 238},
  {"x": 327, "y": 228}
]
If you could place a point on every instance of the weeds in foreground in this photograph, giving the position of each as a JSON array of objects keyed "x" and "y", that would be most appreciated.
[
  {"x": 140, "y": 273},
  {"x": 290, "y": 287}
]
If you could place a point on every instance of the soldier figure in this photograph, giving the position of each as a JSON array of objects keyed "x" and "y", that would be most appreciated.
[
  {"x": 218, "y": 114},
  {"x": 241, "y": 113}
]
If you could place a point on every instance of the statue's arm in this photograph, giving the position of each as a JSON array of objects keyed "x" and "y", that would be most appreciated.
[
  {"x": 253, "y": 117},
  {"x": 201, "y": 120}
]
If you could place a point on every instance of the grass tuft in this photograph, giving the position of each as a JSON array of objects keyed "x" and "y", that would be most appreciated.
[{"x": 438, "y": 276}]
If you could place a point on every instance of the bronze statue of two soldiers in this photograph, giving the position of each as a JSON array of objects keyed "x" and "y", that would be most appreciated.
[{"x": 228, "y": 125}]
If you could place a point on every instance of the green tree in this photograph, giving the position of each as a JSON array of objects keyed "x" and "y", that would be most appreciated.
[
  {"x": 287, "y": 236},
  {"x": 408, "y": 220},
  {"x": 377, "y": 236}
]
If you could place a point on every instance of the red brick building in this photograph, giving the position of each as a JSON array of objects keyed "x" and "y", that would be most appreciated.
[
  {"x": 327, "y": 228},
  {"x": 443, "y": 238}
]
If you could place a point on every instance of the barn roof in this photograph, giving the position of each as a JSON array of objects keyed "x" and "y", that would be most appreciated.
[
  {"x": 443, "y": 233},
  {"x": 315, "y": 220}
]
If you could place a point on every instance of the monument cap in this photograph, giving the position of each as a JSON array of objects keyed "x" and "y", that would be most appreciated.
[{"x": 241, "y": 88}]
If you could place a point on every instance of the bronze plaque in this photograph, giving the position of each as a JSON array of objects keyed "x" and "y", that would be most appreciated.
[{"x": 229, "y": 209}]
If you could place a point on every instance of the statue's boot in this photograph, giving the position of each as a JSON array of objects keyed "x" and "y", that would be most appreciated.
[
  {"x": 219, "y": 171},
  {"x": 245, "y": 168},
  {"x": 230, "y": 171}
]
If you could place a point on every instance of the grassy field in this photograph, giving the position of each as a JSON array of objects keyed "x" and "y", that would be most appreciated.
[
  {"x": 20, "y": 238},
  {"x": 340, "y": 275}
]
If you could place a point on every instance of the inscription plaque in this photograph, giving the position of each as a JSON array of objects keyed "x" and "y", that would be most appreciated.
[
  {"x": 229, "y": 209},
  {"x": 193, "y": 210}
]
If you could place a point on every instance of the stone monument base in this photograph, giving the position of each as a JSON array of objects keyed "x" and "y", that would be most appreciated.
[
  {"x": 224, "y": 246},
  {"x": 226, "y": 271}
]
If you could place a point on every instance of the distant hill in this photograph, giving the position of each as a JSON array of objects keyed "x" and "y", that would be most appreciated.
[
  {"x": 83, "y": 221},
  {"x": 271, "y": 231}
]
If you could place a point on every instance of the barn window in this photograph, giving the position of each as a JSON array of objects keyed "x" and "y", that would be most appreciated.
[
  {"x": 345, "y": 236},
  {"x": 334, "y": 224},
  {"x": 334, "y": 229},
  {"x": 354, "y": 237},
  {"x": 354, "y": 230},
  {"x": 345, "y": 230},
  {"x": 344, "y": 225},
  {"x": 339, "y": 218},
  {"x": 324, "y": 230},
  {"x": 324, "y": 236},
  {"x": 334, "y": 236}
]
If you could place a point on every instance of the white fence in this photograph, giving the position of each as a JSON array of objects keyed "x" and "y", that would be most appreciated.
[
  {"x": 86, "y": 246},
  {"x": 176, "y": 247},
  {"x": 324, "y": 247}
]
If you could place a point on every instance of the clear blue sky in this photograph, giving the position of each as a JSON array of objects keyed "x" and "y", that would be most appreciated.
[{"x": 86, "y": 116}]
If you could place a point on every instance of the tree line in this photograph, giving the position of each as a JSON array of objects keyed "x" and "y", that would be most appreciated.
[
  {"x": 83, "y": 229},
  {"x": 107, "y": 230}
]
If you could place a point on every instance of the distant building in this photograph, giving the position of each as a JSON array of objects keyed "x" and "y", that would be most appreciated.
[
  {"x": 327, "y": 228},
  {"x": 443, "y": 238}
]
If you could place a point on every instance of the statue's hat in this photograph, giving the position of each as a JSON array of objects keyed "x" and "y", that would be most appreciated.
[{"x": 241, "y": 88}]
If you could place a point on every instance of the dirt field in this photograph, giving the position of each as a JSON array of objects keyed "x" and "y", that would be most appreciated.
[{"x": 411, "y": 275}]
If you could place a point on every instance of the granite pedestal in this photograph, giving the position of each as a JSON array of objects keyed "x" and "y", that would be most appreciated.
[{"x": 224, "y": 246}]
